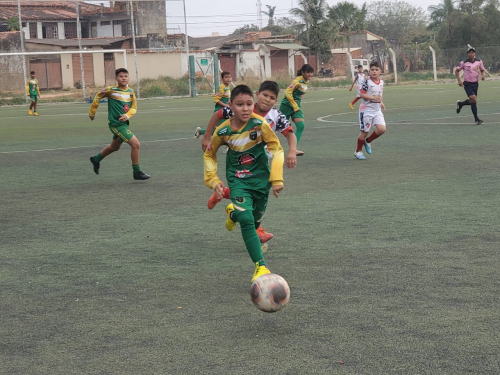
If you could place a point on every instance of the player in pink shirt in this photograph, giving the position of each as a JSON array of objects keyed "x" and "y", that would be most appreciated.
[{"x": 471, "y": 68}]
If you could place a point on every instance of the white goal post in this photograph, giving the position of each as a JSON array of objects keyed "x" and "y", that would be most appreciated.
[{"x": 79, "y": 52}]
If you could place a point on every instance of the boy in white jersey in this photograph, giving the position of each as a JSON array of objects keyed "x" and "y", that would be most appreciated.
[
  {"x": 359, "y": 79},
  {"x": 370, "y": 111},
  {"x": 266, "y": 98}
]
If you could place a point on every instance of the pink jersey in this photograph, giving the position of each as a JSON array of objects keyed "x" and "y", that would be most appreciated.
[{"x": 471, "y": 69}]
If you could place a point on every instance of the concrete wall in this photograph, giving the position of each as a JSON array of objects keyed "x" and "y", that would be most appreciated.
[
  {"x": 11, "y": 67},
  {"x": 99, "y": 74},
  {"x": 67, "y": 71}
]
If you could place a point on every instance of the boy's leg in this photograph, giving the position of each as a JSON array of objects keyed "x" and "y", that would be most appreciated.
[
  {"x": 112, "y": 147},
  {"x": 260, "y": 205},
  {"x": 134, "y": 155},
  {"x": 213, "y": 200},
  {"x": 364, "y": 127}
]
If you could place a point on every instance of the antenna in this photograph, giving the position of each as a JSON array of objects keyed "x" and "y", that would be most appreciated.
[{"x": 259, "y": 13}]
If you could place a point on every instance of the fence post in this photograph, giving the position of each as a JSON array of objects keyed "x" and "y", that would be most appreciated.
[
  {"x": 216, "y": 71},
  {"x": 192, "y": 77},
  {"x": 394, "y": 65},
  {"x": 434, "y": 63},
  {"x": 21, "y": 35},
  {"x": 349, "y": 65}
]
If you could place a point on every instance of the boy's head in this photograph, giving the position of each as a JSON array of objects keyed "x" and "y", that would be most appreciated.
[
  {"x": 471, "y": 53},
  {"x": 360, "y": 68},
  {"x": 375, "y": 69},
  {"x": 267, "y": 96},
  {"x": 242, "y": 103},
  {"x": 226, "y": 77},
  {"x": 122, "y": 77},
  {"x": 32, "y": 73}
]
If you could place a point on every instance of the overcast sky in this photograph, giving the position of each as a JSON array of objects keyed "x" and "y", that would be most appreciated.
[{"x": 205, "y": 17}]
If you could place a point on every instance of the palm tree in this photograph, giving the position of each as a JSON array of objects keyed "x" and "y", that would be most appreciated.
[
  {"x": 270, "y": 14},
  {"x": 349, "y": 18}
]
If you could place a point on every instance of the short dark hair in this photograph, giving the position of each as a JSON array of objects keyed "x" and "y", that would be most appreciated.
[
  {"x": 225, "y": 73},
  {"x": 375, "y": 63},
  {"x": 360, "y": 66},
  {"x": 306, "y": 68},
  {"x": 270, "y": 86},
  {"x": 32, "y": 72},
  {"x": 241, "y": 90},
  {"x": 120, "y": 70}
]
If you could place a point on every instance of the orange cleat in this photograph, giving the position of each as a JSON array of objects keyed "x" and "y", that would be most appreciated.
[
  {"x": 213, "y": 200},
  {"x": 263, "y": 235}
]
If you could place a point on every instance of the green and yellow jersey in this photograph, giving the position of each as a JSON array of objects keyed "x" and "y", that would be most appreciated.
[
  {"x": 223, "y": 95},
  {"x": 247, "y": 163},
  {"x": 294, "y": 93},
  {"x": 119, "y": 102},
  {"x": 32, "y": 87}
]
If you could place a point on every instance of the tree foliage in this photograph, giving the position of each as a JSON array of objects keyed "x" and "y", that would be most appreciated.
[
  {"x": 270, "y": 14},
  {"x": 13, "y": 24},
  {"x": 246, "y": 28},
  {"x": 349, "y": 18}
]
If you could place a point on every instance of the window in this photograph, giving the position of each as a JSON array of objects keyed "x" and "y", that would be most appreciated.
[{"x": 49, "y": 30}]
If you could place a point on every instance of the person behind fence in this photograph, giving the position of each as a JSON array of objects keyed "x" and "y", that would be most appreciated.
[
  {"x": 33, "y": 91},
  {"x": 370, "y": 111},
  {"x": 122, "y": 105},
  {"x": 290, "y": 105},
  {"x": 471, "y": 68},
  {"x": 249, "y": 174}
]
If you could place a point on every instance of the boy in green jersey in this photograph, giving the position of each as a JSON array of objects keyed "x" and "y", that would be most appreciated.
[
  {"x": 249, "y": 174},
  {"x": 33, "y": 91},
  {"x": 122, "y": 105},
  {"x": 290, "y": 105}
]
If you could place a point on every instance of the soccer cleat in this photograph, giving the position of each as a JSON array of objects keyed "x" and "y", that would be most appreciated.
[
  {"x": 197, "y": 133},
  {"x": 479, "y": 122},
  {"x": 230, "y": 224},
  {"x": 259, "y": 271},
  {"x": 35, "y": 114},
  {"x": 359, "y": 155},
  {"x": 96, "y": 165},
  {"x": 140, "y": 175},
  {"x": 299, "y": 153},
  {"x": 213, "y": 200},
  {"x": 263, "y": 235},
  {"x": 368, "y": 147},
  {"x": 350, "y": 105},
  {"x": 459, "y": 106},
  {"x": 29, "y": 112}
]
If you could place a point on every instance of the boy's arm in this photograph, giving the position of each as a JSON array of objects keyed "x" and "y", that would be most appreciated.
[
  {"x": 133, "y": 107},
  {"x": 38, "y": 89},
  {"x": 28, "y": 87},
  {"x": 210, "y": 163},
  {"x": 274, "y": 146},
  {"x": 97, "y": 99},
  {"x": 291, "y": 157},
  {"x": 289, "y": 95},
  {"x": 223, "y": 113},
  {"x": 457, "y": 73}
]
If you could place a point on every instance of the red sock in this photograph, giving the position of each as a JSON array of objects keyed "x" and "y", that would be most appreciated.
[
  {"x": 372, "y": 137},
  {"x": 226, "y": 193},
  {"x": 361, "y": 143},
  {"x": 355, "y": 100}
]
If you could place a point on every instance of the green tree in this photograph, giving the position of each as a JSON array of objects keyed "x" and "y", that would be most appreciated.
[
  {"x": 270, "y": 14},
  {"x": 246, "y": 28},
  {"x": 284, "y": 26},
  {"x": 397, "y": 21},
  {"x": 13, "y": 24},
  {"x": 348, "y": 17}
]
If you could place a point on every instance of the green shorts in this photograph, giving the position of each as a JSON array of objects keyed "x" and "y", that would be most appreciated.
[
  {"x": 289, "y": 112},
  {"x": 34, "y": 97},
  {"x": 250, "y": 200},
  {"x": 121, "y": 132}
]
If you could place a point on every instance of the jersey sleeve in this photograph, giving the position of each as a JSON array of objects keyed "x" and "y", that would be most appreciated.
[
  {"x": 481, "y": 66},
  {"x": 364, "y": 87},
  {"x": 105, "y": 93},
  {"x": 28, "y": 87},
  {"x": 219, "y": 94},
  {"x": 133, "y": 107},
  {"x": 38, "y": 88},
  {"x": 225, "y": 113},
  {"x": 282, "y": 124},
  {"x": 274, "y": 146},
  {"x": 289, "y": 95},
  {"x": 460, "y": 66},
  {"x": 210, "y": 162}
]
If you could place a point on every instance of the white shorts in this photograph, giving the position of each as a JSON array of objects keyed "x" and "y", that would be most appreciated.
[
  {"x": 367, "y": 120},
  {"x": 358, "y": 90}
]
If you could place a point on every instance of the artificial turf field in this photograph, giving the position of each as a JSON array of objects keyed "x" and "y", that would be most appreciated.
[{"x": 392, "y": 262}]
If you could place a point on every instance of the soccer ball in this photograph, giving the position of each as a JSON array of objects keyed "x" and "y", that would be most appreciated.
[{"x": 270, "y": 292}]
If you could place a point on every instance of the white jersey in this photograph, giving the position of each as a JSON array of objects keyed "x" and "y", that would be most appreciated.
[
  {"x": 373, "y": 89},
  {"x": 360, "y": 78},
  {"x": 275, "y": 118}
]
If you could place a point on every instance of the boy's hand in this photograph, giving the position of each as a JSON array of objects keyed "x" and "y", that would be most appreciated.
[
  {"x": 350, "y": 89},
  {"x": 277, "y": 189},
  {"x": 383, "y": 106},
  {"x": 92, "y": 117},
  {"x": 219, "y": 190},
  {"x": 291, "y": 159},
  {"x": 205, "y": 144},
  {"x": 123, "y": 118}
]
